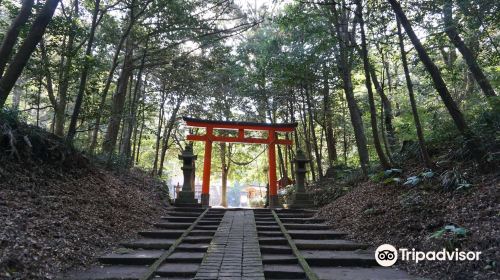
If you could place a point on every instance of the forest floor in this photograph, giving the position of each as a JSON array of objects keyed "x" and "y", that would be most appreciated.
[
  {"x": 53, "y": 220},
  {"x": 407, "y": 216},
  {"x": 58, "y": 210}
]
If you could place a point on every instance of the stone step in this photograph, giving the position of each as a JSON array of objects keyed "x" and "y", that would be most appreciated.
[
  {"x": 201, "y": 232},
  {"x": 263, "y": 214},
  {"x": 196, "y": 247},
  {"x": 270, "y": 218},
  {"x": 217, "y": 219},
  {"x": 296, "y": 215},
  {"x": 182, "y": 214},
  {"x": 268, "y": 228},
  {"x": 149, "y": 243},
  {"x": 301, "y": 220},
  {"x": 306, "y": 226},
  {"x": 315, "y": 234},
  {"x": 279, "y": 259},
  {"x": 197, "y": 239},
  {"x": 208, "y": 223},
  {"x": 275, "y": 249},
  {"x": 159, "y": 233},
  {"x": 178, "y": 270},
  {"x": 283, "y": 271},
  {"x": 134, "y": 257},
  {"x": 305, "y": 234},
  {"x": 179, "y": 219},
  {"x": 186, "y": 209},
  {"x": 272, "y": 241},
  {"x": 361, "y": 273},
  {"x": 300, "y": 211},
  {"x": 194, "y": 204},
  {"x": 126, "y": 272},
  {"x": 172, "y": 225},
  {"x": 203, "y": 227},
  {"x": 270, "y": 233},
  {"x": 185, "y": 257},
  {"x": 339, "y": 258},
  {"x": 213, "y": 216},
  {"x": 329, "y": 244},
  {"x": 174, "y": 233},
  {"x": 266, "y": 223},
  {"x": 173, "y": 278}
]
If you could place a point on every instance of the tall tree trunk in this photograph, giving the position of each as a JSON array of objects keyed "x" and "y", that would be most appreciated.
[
  {"x": 384, "y": 135},
  {"x": 313, "y": 133},
  {"x": 475, "y": 69},
  {"x": 10, "y": 38},
  {"x": 307, "y": 140},
  {"x": 138, "y": 152},
  {"x": 48, "y": 77},
  {"x": 224, "y": 173},
  {"x": 132, "y": 119},
  {"x": 373, "y": 111},
  {"x": 83, "y": 76},
  {"x": 135, "y": 134},
  {"x": 344, "y": 68},
  {"x": 19, "y": 61},
  {"x": 421, "y": 140},
  {"x": 292, "y": 119},
  {"x": 330, "y": 137},
  {"x": 472, "y": 142},
  {"x": 290, "y": 160},
  {"x": 388, "y": 115},
  {"x": 161, "y": 116},
  {"x": 60, "y": 110},
  {"x": 344, "y": 130},
  {"x": 109, "y": 79},
  {"x": 168, "y": 131},
  {"x": 118, "y": 102},
  {"x": 127, "y": 126}
]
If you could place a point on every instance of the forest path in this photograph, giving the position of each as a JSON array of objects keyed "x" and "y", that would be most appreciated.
[{"x": 194, "y": 243}]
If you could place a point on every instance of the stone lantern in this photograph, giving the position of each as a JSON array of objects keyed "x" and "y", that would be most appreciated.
[
  {"x": 300, "y": 199},
  {"x": 186, "y": 195}
]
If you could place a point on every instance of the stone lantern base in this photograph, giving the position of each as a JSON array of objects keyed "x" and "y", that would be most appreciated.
[
  {"x": 186, "y": 199},
  {"x": 301, "y": 200},
  {"x": 274, "y": 202}
]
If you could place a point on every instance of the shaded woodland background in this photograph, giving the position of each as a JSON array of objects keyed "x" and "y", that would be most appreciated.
[
  {"x": 113, "y": 78},
  {"x": 396, "y": 103}
]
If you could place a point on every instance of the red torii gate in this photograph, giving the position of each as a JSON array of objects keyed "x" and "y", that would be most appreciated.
[{"x": 271, "y": 141}]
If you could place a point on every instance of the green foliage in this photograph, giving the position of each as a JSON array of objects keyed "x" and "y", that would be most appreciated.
[
  {"x": 387, "y": 177},
  {"x": 262, "y": 75},
  {"x": 257, "y": 202},
  {"x": 286, "y": 194},
  {"x": 454, "y": 180},
  {"x": 416, "y": 180},
  {"x": 10, "y": 117},
  {"x": 452, "y": 236}
]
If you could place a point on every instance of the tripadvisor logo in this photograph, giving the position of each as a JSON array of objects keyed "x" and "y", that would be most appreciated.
[{"x": 387, "y": 255}]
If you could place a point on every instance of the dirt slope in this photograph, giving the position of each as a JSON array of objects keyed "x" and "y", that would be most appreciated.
[
  {"x": 407, "y": 216},
  {"x": 55, "y": 218}
]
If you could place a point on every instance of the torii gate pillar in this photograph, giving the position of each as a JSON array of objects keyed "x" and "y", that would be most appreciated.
[
  {"x": 273, "y": 181},
  {"x": 207, "y": 163}
]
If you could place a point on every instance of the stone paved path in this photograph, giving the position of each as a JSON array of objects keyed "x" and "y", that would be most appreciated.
[
  {"x": 240, "y": 244},
  {"x": 234, "y": 252}
]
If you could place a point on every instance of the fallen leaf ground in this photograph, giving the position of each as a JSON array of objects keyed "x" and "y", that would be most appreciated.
[
  {"x": 406, "y": 217},
  {"x": 53, "y": 219}
]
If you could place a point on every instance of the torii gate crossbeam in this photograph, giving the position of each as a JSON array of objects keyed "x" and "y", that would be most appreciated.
[{"x": 271, "y": 141}]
